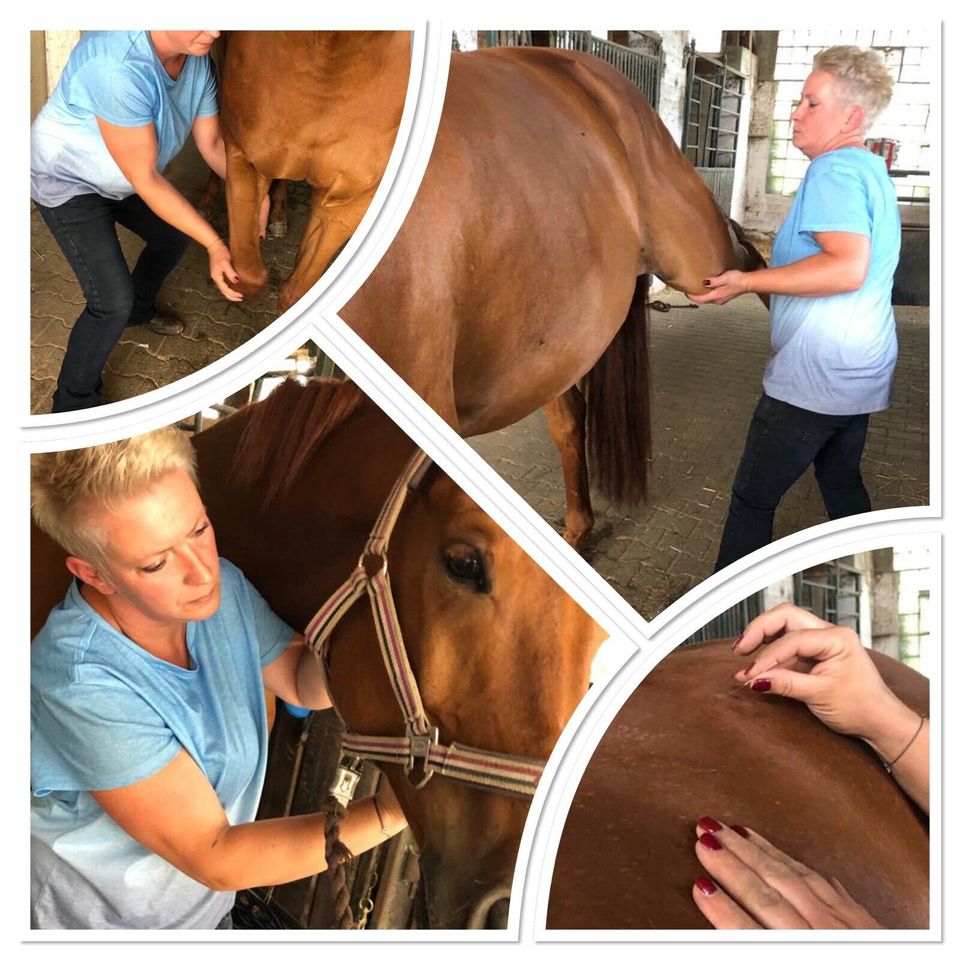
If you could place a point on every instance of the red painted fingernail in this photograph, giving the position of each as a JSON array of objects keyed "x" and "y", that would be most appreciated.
[
  {"x": 706, "y": 886},
  {"x": 710, "y": 841},
  {"x": 743, "y": 831},
  {"x": 709, "y": 824},
  {"x": 761, "y": 684},
  {"x": 706, "y": 283},
  {"x": 736, "y": 643}
]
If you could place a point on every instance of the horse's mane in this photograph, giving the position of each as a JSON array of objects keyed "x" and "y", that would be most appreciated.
[{"x": 281, "y": 432}]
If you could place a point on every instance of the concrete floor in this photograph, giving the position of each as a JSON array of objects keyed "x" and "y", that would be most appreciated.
[
  {"x": 144, "y": 360},
  {"x": 707, "y": 366}
]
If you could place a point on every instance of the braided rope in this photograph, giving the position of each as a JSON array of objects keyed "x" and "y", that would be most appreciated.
[{"x": 337, "y": 855}]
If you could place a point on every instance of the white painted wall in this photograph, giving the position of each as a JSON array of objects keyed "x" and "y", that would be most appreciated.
[
  {"x": 58, "y": 44},
  {"x": 466, "y": 39}
]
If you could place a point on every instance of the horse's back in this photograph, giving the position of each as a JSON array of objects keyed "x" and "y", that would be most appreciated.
[{"x": 691, "y": 742}]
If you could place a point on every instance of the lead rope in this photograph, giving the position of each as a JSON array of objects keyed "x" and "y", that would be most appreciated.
[{"x": 337, "y": 853}]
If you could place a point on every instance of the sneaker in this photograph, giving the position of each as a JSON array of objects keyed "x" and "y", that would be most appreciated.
[{"x": 165, "y": 324}]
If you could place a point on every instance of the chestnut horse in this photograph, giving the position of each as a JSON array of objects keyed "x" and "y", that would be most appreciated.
[
  {"x": 501, "y": 654},
  {"x": 689, "y": 742},
  {"x": 521, "y": 270},
  {"x": 320, "y": 106},
  {"x": 553, "y": 192}
]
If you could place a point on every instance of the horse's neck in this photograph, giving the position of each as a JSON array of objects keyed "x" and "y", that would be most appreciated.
[
  {"x": 299, "y": 548},
  {"x": 690, "y": 238}
]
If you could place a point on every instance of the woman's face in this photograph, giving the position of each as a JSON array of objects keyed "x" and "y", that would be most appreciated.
[
  {"x": 822, "y": 119},
  {"x": 194, "y": 42},
  {"x": 161, "y": 553}
]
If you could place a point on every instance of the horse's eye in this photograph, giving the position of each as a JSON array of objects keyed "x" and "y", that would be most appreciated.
[{"x": 465, "y": 565}]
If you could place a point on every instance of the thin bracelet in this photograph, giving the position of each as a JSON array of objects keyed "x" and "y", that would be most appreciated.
[
  {"x": 889, "y": 766},
  {"x": 384, "y": 832}
]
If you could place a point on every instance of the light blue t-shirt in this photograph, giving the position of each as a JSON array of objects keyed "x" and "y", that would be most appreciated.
[
  {"x": 836, "y": 355},
  {"x": 114, "y": 75},
  {"x": 105, "y": 713}
]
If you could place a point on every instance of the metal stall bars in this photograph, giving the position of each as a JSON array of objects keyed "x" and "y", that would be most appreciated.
[
  {"x": 641, "y": 67},
  {"x": 711, "y": 123}
]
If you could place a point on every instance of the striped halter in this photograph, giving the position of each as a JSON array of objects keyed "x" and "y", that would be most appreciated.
[{"x": 419, "y": 749}]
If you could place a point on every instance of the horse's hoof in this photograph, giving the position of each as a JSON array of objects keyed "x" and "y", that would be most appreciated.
[
  {"x": 575, "y": 538},
  {"x": 252, "y": 287}
]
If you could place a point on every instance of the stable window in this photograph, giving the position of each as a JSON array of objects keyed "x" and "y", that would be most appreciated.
[{"x": 900, "y": 133}]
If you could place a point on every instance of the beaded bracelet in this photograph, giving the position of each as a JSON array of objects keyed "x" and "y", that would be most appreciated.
[{"x": 889, "y": 766}]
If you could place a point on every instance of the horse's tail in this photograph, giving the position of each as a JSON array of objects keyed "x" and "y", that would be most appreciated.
[{"x": 617, "y": 392}]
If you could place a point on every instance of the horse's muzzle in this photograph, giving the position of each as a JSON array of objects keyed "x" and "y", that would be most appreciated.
[{"x": 491, "y": 911}]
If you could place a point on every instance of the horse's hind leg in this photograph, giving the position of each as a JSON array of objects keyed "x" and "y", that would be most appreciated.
[{"x": 566, "y": 417}]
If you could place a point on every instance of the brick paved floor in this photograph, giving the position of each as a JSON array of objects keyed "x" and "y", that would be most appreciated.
[
  {"x": 143, "y": 360},
  {"x": 707, "y": 369}
]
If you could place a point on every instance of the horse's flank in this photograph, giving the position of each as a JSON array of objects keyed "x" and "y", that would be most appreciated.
[{"x": 689, "y": 742}]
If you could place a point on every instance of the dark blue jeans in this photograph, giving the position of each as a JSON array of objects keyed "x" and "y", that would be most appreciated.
[
  {"x": 85, "y": 229},
  {"x": 782, "y": 442}
]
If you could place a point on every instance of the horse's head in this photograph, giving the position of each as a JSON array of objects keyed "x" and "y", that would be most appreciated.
[
  {"x": 501, "y": 656},
  {"x": 499, "y": 652},
  {"x": 748, "y": 256}
]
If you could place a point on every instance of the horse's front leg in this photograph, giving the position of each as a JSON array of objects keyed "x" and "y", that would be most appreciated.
[
  {"x": 566, "y": 417},
  {"x": 330, "y": 226},
  {"x": 245, "y": 192}
]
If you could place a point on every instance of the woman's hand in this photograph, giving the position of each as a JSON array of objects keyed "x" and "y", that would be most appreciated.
[
  {"x": 805, "y": 658},
  {"x": 721, "y": 289},
  {"x": 751, "y": 884},
  {"x": 825, "y": 666},
  {"x": 221, "y": 270}
]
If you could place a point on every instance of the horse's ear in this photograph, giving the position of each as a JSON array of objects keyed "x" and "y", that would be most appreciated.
[{"x": 89, "y": 574}]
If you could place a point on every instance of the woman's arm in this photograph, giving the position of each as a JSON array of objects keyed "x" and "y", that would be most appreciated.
[
  {"x": 295, "y": 677},
  {"x": 177, "y": 814},
  {"x": 135, "y": 151},
  {"x": 800, "y": 656},
  {"x": 209, "y": 141},
  {"x": 841, "y": 266}
]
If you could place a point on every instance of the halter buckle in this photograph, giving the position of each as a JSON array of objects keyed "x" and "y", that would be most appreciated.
[{"x": 420, "y": 744}]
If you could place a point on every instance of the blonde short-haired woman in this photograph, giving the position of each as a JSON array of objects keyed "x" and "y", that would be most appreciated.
[{"x": 148, "y": 719}]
